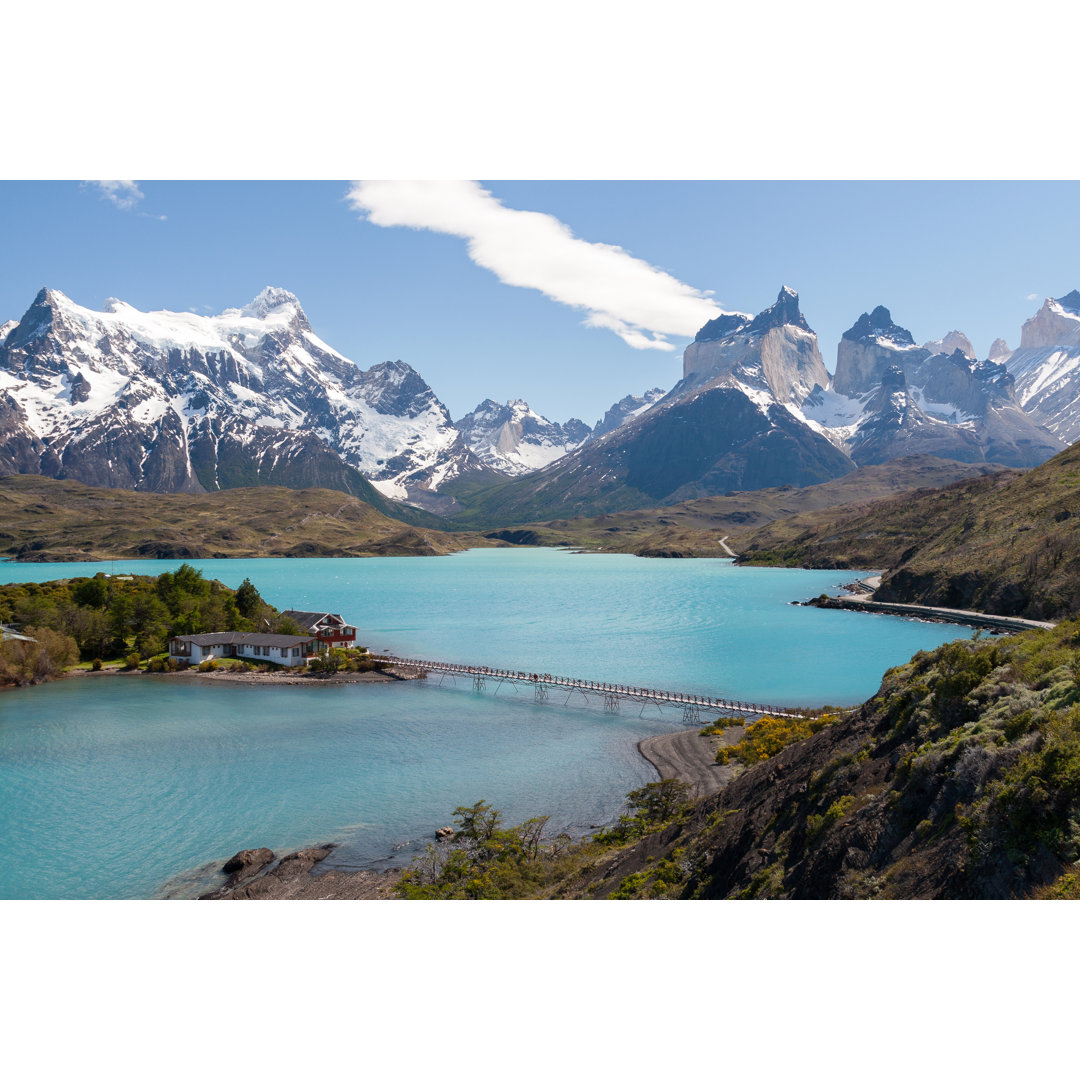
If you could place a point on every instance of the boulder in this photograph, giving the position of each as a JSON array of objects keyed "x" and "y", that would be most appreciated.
[{"x": 252, "y": 859}]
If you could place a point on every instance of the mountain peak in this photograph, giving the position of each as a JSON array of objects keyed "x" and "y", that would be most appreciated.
[
  {"x": 952, "y": 341},
  {"x": 1070, "y": 301},
  {"x": 878, "y": 323},
  {"x": 785, "y": 312},
  {"x": 270, "y": 299}
]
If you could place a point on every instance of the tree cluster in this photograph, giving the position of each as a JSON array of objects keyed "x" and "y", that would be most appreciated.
[{"x": 116, "y": 616}]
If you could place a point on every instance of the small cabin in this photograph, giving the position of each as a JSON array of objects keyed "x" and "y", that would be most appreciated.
[
  {"x": 331, "y": 630},
  {"x": 289, "y": 650}
]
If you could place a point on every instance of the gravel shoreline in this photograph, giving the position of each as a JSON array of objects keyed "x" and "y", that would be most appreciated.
[{"x": 691, "y": 757}]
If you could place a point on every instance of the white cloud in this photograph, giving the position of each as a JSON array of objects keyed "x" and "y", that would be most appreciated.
[
  {"x": 1033, "y": 296},
  {"x": 123, "y": 194},
  {"x": 531, "y": 250}
]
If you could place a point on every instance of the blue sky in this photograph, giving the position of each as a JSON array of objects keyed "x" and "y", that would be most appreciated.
[{"x": 941, "y": 255}]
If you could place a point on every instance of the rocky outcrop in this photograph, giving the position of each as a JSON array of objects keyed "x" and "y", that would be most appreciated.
[
  {"x": 1055, "y": 325},
  {"x": 924, "y": 399},
  {"x": 292, "y": 879},
  {"x": 867, "y": 350},
  {"x": 775, "y": 353}
]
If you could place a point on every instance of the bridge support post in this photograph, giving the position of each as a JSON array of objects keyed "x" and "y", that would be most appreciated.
[
  {"x": 478, "y": 681},
  {"x": 541, "y": 692},
  {"x": 611, "y": 703},
  {"x": 691, "y": 714}
]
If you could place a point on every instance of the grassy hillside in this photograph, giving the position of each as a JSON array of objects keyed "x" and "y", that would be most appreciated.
[
  {"x": 693, "y": 529},
  {"x": 959, "y": 779},
  {"x": 1007, "y": 544},
  {"x": 60, "y": 520}
]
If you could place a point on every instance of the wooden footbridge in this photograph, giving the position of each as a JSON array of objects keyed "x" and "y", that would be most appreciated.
[{"x": 612, "y": 694}]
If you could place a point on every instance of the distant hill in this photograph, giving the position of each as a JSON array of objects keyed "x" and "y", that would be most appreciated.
[
  {"x": 62, "y": 520},
  {"x": 1007, "y": 544},
  {"x": 694, "y": 528}
]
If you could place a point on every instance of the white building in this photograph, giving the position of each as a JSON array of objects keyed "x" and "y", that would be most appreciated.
[{"x": 288, "y": 650}]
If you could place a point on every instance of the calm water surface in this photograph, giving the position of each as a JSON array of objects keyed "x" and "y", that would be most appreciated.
[{"x": 129, "y": 787}]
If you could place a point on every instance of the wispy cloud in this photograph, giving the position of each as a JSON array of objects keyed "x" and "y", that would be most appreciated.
[
  {"x": 123, "y": 194},
  {"x": 531, "y": 250},
  {"x": 1033, "y": 296}
]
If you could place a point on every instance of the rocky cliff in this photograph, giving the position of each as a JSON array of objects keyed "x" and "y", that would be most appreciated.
[
  {"x": 776, "y": 352},
  {"x": 1046, "y": 367}
]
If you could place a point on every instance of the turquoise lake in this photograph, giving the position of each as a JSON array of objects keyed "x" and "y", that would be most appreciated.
[{"x": 140, "y": 786}]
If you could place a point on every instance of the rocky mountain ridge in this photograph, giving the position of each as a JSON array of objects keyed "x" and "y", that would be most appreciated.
[
  {"x": 172, "y": 401},
  {"x": 169, "y": 401},
  {"x": 757, "y": 408}
]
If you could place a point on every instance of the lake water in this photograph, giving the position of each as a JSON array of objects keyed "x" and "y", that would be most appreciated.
[{"x": 134, "y": 787}]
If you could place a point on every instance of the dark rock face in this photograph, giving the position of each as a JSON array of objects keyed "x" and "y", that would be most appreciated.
[
  {"x": 946, "y": 404},
  {"x": 1070, "y": 301},
  {"x": 723, "y": 326},
  {"x": 709, "y": 443},
  {"x": 785, "y": 312},
  {"x": 878, "y": 323}
]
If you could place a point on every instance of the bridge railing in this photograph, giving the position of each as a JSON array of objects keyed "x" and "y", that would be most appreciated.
[{"x": 637, "y": 693}]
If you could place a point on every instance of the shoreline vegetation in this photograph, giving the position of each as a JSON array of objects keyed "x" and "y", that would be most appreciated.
[
  {"x": 958, "y": 779},
  {"x": 688, "y": 766}
]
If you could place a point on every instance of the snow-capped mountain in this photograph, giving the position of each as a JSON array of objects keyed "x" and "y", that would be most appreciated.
[
  {"x": 1046, "y": 367},
  {"x": 626, "y": 409},
  {"x": 756, "y": 408},
  {"x": 513, "y": 439},
  {"x": 891, "y": 398},
  {"x": 732, "y": 422},
  {"x": 172, "y": 401}
]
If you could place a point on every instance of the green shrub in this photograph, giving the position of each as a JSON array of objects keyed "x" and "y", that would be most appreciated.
[
  {"x": 770, "y": 734},
  {"x": 132, "y": 661},
  {"x": 96, "y": 665}
]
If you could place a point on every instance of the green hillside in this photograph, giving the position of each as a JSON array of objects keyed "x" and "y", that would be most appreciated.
[{"x": 1007, "y": 544}]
